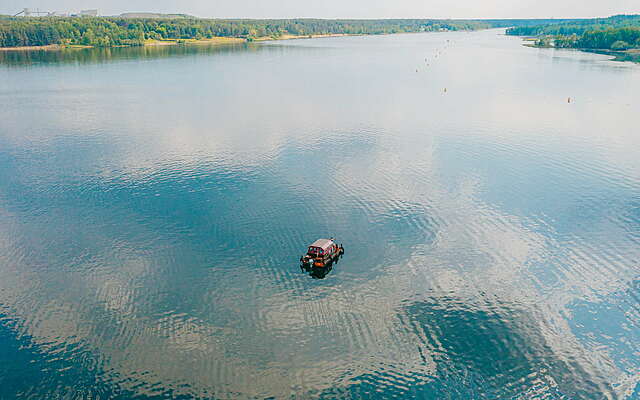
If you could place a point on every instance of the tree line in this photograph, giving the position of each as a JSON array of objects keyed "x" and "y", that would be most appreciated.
[
  {"x": 620, "y": 32},
  {"x": 108, "y": 31}
]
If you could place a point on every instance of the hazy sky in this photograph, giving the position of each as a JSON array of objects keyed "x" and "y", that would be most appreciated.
[{"x": 344, "y": 8}]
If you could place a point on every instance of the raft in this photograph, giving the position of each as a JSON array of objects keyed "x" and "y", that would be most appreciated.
[{"x": 321, "y": 253}]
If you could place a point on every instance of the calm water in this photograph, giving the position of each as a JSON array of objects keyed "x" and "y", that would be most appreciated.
[{"x": 154, "y": 204}]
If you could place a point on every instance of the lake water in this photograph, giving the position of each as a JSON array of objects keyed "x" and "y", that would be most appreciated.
[{"x": 154, "y": 204}]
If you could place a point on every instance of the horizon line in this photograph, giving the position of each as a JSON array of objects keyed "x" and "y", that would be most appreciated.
[{"x": 361, "y": 18}]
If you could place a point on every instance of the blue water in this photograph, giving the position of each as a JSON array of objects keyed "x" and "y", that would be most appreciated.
[{"x": 154, "y": 204}]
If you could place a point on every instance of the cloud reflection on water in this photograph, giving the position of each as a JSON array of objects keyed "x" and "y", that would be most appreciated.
[{"x": 157, "y": 278}]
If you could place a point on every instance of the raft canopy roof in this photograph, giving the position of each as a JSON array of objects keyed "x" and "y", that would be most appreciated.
[{"x": 324, "y": 244}]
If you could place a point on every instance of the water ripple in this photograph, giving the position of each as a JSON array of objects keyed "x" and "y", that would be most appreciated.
[{"x": 491, "y": 234}]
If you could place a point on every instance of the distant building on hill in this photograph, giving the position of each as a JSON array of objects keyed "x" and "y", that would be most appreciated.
[
  {"x": 152, "y": 15},
  {"x": 27, "y": 12},
  {"x": 89, "y": 13}
]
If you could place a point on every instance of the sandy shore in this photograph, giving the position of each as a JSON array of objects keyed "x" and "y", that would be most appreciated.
[
  {"x": 50, "y": 47},
  {"x": 291, "y": 37},
  {"x": 21, "y": 48},
  {"x": 215, "y": 40},
  {"x": 172, "y": 42}
]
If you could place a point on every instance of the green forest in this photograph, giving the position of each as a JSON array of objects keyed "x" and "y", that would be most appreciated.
[
  {"x": 107, "y": 31},
  {"x": 621, "y": 32}
]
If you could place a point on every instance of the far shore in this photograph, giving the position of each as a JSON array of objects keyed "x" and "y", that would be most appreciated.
[{"x": 174, "y": 42}]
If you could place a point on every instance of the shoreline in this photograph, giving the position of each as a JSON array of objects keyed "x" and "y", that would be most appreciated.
[
  {"x": 48, "y": 47},
  {"x": 313, "y": 36},
  {"x": 148, "y": 43},
  {"x": 175, "y": 42},
  {"x": 221, "y": 40},
  {"x": 632, "y": 55}
]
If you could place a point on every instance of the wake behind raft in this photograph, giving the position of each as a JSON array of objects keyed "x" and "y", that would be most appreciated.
[{"x": 321, "y": 254}]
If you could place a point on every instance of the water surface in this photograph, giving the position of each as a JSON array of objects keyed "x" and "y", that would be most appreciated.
[{"x": 154, "y": 203}]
